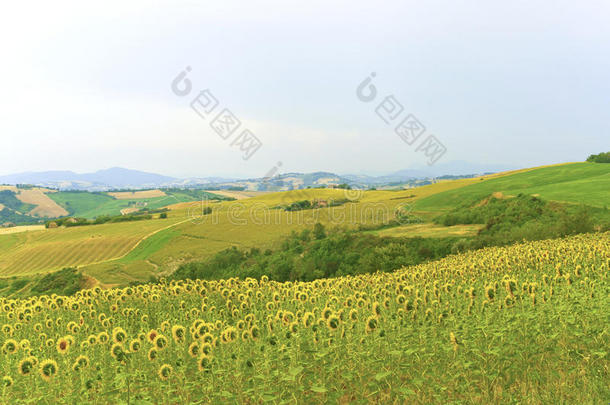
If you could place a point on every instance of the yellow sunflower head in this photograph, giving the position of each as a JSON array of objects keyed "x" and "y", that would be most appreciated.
[
  {"x": 165, "y": 371},
  {"x": 48, "y": 369}
]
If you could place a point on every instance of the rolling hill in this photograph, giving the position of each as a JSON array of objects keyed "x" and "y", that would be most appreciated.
[
  {"x": 118, "y": 253},
  {"x": 578, "y": 183}
]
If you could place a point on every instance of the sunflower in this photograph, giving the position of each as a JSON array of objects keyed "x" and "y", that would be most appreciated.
[
  {"x": 25, "y": 366},
  {"x": 332, "y": 322},
  {"x": 206, "y": 349},
  {"x": 103, "y": 337},
  {"x": 135, "y": 345},
  {"x": 160, "y": 342},
  {"x": 164, "y": 325},
  {"x": 308, "y": 319},
  {"x": 151, "y": 335},
  {"x": 178, "y": 333},
  {"x": 24, "y": 344},
  {"x": 152, "y": 354},
  {"x": 80, "y": 363},
  {"x": 117, "y": 352},
  {"x": 62, "y": 345},
  {"x": 165, "y": 371},
  {"x": 207, "y": 337},
  {"x": 254, "y": 332},
  {"x": 371, "y": 323},
  {"x": 377, "y": 309},
  {"x": 490, "y": 293},
  {"x": 7, "y": 380},
  {"x": 194, "y": 349},
  {"x": 48, "y": 369},
  {"x": 10, "y": 346},
  {"x": 230, "y": 334},
  {"x": 119, "y": 335},
  {"x": 204, "y": 363}
]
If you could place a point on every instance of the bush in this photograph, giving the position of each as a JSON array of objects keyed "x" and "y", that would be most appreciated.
[
  {"x": 63, "y": 282},
  {"x": 509, "y": 220},
  {"x": 599, "y": 158},
  {"x": 308, "y": 255}
]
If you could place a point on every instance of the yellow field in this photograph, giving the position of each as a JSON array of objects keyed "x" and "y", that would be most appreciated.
[
  {"x": 129, "y": 210},
  {"x": 130, "y": 195},
  {"x": 52, "y": 249},
  {"x": 24, "y": 228},
  {"x": 238, "y": 195},
  {"x": 430, "y": 230}
]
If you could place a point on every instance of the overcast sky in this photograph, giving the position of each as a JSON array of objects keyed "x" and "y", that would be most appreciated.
[{"x": 87, "y": 86}]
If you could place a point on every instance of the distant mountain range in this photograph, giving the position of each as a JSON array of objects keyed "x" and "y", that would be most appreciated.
[{"x": 120, "y": 178}]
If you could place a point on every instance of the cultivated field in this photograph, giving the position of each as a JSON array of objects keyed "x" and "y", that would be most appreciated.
[
  {"x": 45, "y": 206},
  {"x": 92, "y": 205},
  {"x": 521, "y": 324},
  {"x": 256, "y": 222},
  {"x": 429, "y": 230},
  {"x": 135, "y": 195},
  {"x": 238, "y": 195},
  {"x": 23, "y": 228},
  {"x": 52, "y": 249}
]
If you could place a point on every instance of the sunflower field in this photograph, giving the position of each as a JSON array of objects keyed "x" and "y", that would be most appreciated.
[{"x": 524, "y": 323}]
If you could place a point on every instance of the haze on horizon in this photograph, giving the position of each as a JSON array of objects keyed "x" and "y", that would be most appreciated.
[{"x": 88, "y": 86}]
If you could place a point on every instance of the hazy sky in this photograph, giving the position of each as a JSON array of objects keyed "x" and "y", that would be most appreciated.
[{"x": 86, "y": 86}]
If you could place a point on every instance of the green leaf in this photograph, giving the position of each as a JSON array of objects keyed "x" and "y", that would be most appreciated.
[
  {"x": 318, "y": 389},
  {"x": 381, "y": 376},
  {"x": 226, "y": 394},
  {"x": 294, "y": 371}
]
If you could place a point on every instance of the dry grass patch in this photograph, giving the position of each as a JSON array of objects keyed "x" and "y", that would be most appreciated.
[
  {"x": 45, "y": 207},
  {"x": 238, "y": 195},
  {"x": 131, "y": 195},
  {"x": 25, "y": 228},
  {"x": 126, "y": 211}
]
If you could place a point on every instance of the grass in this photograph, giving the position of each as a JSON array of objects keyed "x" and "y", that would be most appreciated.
[
  {"x": 150, "y": 245},
  {"x": 91, "y": 205},
  {"x": 578, "y": 183}
]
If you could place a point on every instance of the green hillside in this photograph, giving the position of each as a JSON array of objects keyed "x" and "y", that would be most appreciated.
[
  {"x": 92, "y": 205},
  {"x": 580, "y": 183}
]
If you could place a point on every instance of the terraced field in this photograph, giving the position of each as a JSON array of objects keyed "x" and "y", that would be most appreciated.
[{"x": 52, "y": 249}]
